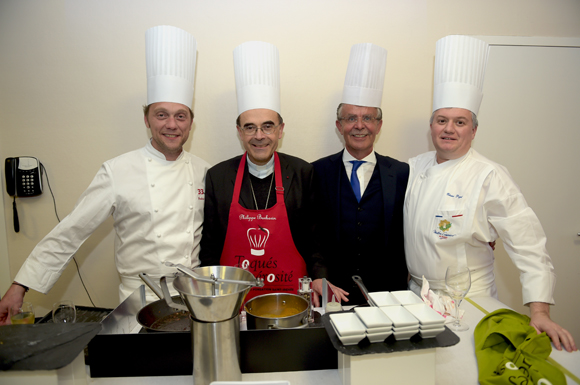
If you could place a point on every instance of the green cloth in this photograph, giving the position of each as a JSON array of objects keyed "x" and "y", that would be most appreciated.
[{"x": 509, "y": 351}]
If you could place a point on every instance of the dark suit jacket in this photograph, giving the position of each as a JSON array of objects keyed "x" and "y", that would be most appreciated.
[
  {"x": 386, "y": 271},
  {"x": 297, "y": 179}
]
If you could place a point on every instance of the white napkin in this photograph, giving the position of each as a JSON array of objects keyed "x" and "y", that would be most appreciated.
[{"x": 442, "y": 304}]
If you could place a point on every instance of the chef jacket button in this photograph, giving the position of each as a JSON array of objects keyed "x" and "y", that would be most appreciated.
[
  {"x": 158, "y": 235},
  {"x": 152, "y": 184},
  {"x": 359, "y": 224},
  {"x": 156, "y": 210},
  {"x": 149, "y": 159},
  {"x": 191, "y": 207},
  {"x": 188, "y": 231},
  {"x": 187, "y": 162},
  {"x": 191, "y": 183},
  {"x": 186, "y": 257}
]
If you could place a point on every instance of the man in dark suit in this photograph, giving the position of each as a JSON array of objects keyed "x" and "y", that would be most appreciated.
[{"x": 360, "y": 194}]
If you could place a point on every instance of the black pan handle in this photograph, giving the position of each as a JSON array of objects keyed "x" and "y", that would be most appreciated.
[{"x": 358, "y": 280}]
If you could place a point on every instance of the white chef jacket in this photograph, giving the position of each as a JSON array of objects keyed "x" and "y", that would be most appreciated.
[
  {"x": 157, "y": 207},
  {"x": 453, "y": 209}
]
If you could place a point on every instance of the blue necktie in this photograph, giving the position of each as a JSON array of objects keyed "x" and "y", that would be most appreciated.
[{"x": 354, "y": 182}]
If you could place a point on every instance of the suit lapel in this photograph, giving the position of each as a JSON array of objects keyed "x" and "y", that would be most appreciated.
[
  {"x": 389, "y": 186},
  {"x": 333, "y": 194},
  {"x": 246, "y": 199}
]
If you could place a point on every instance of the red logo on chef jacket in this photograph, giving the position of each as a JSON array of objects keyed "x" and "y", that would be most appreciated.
[
  {"x": 258, "y": 238},
  {"x": 200, "y": 194}
]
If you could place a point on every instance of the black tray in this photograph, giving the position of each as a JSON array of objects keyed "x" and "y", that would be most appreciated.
[
  {"x": 84, "y": 314},
  {"x": 390, "y": 345}
]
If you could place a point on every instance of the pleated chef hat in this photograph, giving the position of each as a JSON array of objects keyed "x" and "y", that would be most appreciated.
[
  {"x": 257, "y": 73},
  {"x": 365, "y": 75},
  {"x": 170, "y": 54},
  {"x": 460, "y": 63}
]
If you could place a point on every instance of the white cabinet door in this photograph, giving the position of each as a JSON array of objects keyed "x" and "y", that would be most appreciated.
[{"x": 530, "y": 122}]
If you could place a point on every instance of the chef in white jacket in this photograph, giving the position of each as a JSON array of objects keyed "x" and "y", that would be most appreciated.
[
  {"x": 457, "y": 201},
  {"x": 155, "y": 194}
]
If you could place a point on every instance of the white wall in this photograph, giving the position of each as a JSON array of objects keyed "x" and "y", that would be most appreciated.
[{"x": 72, "y": 80}]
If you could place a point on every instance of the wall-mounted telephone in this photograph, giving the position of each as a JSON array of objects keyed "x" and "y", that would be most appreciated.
[{"x": 23, "y": 178}]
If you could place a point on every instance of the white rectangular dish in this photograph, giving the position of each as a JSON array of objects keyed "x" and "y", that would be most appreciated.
[
  {"x": 430, "y": 333},
  {"x": 399, "y": 336},
  {"x": 378, "y": 337},
  {"x": 384, "y": 298},
  {"x": 347, "y": 324},
  {"x": 373, "y": 317},
  {"x": 425, "y": 314},
  {"x": 400, "y": 316},
  {"x": 406, "y": 328},
  {"x": 431, "y": 327},
  {"x": 348, "y": 340},
  {"x": 406, "y": 297}
]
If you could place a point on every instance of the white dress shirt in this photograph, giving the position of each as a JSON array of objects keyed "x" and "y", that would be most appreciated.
[{"x": 364, "y": 172}]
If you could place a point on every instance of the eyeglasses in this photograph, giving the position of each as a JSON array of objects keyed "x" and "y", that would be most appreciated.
[
  {"x": 353, "y": 119},
  {"x": 267, "y": 128}
]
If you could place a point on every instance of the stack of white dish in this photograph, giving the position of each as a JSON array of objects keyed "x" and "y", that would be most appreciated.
[
  {"x": 348, "y": 327},
  {"x": 378, "y": 325},
  {"x": 400, "y": 313},
  {"x": 431, "y": 323},
  {"x": 405, "y": 325}
]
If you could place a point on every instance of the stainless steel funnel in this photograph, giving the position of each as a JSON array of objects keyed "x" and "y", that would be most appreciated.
[
  {"x": 215, "y": 330},
  {"x": 211, "y": 302}
]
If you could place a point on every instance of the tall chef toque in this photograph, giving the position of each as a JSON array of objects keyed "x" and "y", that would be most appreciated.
[
  {"x": 460, "y": 63},
  {"x": 257, "y": 73},
  {"x": 365, "y": 75},
  {"x": 170, "y": 54}
]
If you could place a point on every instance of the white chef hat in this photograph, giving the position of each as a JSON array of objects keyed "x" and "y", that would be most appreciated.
[
  {"x": 460, "y": 63},
  {"x": 257, "y": 73},
  {"x": 170, "y": 56},
  {"x": 365, "y": 75}
]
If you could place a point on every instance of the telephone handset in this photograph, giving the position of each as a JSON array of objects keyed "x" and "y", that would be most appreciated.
[{"x": 23, "y": 177}]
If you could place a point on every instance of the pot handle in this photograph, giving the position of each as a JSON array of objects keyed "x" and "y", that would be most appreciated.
[
  {"x": 303, "y": 325},
  {"x": 156, "y": 289},
  {"x": 167, "y": 296}
]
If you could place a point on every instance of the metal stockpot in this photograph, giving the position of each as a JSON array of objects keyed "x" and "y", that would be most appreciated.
[{"x": 277, "y": 311}]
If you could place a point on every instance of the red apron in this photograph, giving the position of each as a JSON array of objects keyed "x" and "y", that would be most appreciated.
[{"x": 260, "y": 241}]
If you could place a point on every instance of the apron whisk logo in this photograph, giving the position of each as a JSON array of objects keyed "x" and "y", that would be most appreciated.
[{"x": 258, "y": 238}]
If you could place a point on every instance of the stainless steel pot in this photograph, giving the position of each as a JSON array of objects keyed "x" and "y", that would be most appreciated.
[{"x": 277, "y": 311}]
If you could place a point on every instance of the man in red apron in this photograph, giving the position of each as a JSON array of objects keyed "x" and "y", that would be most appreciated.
[{"x": 259, "y": 206}]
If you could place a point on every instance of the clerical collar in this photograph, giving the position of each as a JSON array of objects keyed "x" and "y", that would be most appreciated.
[{"x": 261, "y": 171}]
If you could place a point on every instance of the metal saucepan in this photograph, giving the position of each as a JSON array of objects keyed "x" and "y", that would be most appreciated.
[
  {"x": 277, "y": 311},
  {"x": 159, "y": 316},
  {"x": 358, "y": 280}
]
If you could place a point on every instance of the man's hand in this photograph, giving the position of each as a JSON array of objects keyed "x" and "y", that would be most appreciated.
[
  {"x": 340, "y": 294},
  {"x": 13, "y": 298},
  {"x": 540, "y": 320}
]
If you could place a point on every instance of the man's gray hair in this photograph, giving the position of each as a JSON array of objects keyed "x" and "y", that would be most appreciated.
[
  {"x": 473, "y": 117},
  {"x": 339, "y": 112}
]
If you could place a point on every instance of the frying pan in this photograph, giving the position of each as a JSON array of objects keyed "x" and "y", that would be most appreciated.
[{"x": 159, "y": 316}]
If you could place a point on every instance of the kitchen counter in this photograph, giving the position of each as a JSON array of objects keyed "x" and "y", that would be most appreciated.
[{"x": 448, "y": 361}]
